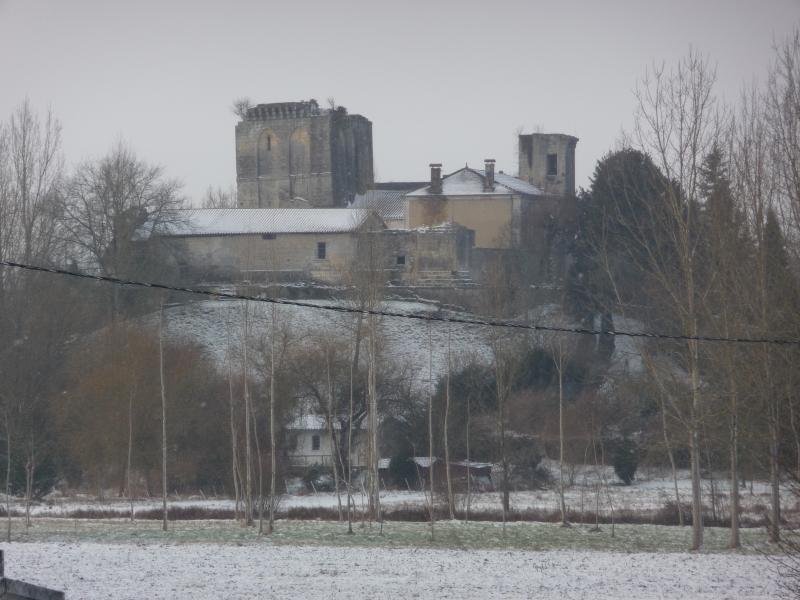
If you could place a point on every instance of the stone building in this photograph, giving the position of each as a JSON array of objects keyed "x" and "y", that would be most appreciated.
[
  {"x": 267, "y": 244},
  {"x": 323, "y": 245},
  {"x": 290, "y": 150}
]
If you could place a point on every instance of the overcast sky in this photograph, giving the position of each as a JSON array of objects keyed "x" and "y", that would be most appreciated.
[{"x": 441, "y": 80}]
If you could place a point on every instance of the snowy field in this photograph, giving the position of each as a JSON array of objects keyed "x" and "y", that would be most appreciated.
[
  {"x": 212, "y": 322},
  {"x": 199, "y": 571},
  {"x": 648, "y": 493}
]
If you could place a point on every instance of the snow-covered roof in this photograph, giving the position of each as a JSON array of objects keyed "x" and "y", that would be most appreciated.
[
  {"x": 241, "y": 221},
  {"x": 472, "y": 464},
  {"x": 469, "y": 182},
  {"x": 310, "y": 422},
  {"x": 315, "y": 422},
  {"x": 516, "y": 184},
  {"x": 389, "y": 204}
]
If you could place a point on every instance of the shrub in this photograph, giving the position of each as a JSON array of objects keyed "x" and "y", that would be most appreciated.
[
  {"x": 319, "y": 478},
  {"x": 403, "y": 471},
  {"x": 626, "y": 460}
]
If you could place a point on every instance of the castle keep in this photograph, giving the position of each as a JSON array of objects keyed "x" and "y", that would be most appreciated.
[{"x": 291, "y": 150}]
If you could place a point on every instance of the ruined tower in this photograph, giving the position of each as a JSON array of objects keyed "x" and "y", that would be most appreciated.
[
  {"x": 547, "y": 160},
  {"x": 290, "y": 150}
]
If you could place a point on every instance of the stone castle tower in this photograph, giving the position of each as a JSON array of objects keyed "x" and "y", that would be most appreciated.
[
  {"x": 290, "y": 150},
  {"x": 547, "y": 160}
]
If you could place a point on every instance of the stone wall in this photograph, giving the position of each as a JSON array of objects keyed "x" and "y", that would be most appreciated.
[
  {"x": 534, "y": 150},
  {"x": 261, "y": 258},
  {"x": 410, "y": 255}
]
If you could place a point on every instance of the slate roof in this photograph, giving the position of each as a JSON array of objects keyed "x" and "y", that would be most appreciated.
[
  {"x": 469, "y": 182},
  {"x": 241, "y": 221},
  {"x": 389, "y": 204}
]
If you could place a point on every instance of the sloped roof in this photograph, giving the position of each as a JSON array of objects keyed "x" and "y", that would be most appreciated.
[
  {"x": 314, "y": 422},
  {"x": 389, "y": 204},
  {"x": 469, "y": 182},
  {"x": 240, "y": 221},
  {"x": 404, "y": 186},
  {"x": 516, "y": 184}
]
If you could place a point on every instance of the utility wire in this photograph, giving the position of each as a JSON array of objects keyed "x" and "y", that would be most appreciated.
[{"x": 401, "y": 315}]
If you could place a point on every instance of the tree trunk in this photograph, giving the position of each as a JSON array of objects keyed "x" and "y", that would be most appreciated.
[
  {"x": 694, "y": 446},
  {"x": 333, "y": 442},
  {"x": 734, "y": 542},
  {"x": 671, "y": 455},
  {"x": 164, "y": 524},
  {"x": 450, "y": 500},
  {"x": 774, "y": 477},
  {"x": 469, "y": 469},
  {"x": 432, "y": 507},
  {"x": 260, "y": 478},
  {"x": 130, "y": 453},
  {"x": 501, "y": 426},
  {"x": 350, "y": 458},
  {"x": 248, "y": 468},
  {"x": 272, "y": 441},
  {"x": 560, "y": 365},
  {"x": 234, "y": 446},
  {"x": 375, "y": 500},
  {"x": 8, "y": 478},
  {"x": 29, "y": 469}
]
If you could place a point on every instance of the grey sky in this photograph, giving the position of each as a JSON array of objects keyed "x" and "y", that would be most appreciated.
[{"x": 442, "y": 80}]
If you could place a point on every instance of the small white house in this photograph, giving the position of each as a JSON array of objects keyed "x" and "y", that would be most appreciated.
[{"x": 309, "y": 442}]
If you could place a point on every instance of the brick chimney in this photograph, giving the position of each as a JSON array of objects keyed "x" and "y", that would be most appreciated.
[
  {"x": 436, "y": 178},
  {"x": 488, "y": 179}
]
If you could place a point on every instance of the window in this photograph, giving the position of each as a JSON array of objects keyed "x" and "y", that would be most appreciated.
[
  {"x": 269, "y": 142},
  {"x": 267, "y": 236},
  {"x": 401, "y": 259},
  {"x": 552, "y": 164},
  {"x": 315, "y": 442},
  {"x": 321, "y": 250}
]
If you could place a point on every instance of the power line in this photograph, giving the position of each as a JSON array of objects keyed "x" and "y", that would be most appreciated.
[{"x": 401, "y": 315}]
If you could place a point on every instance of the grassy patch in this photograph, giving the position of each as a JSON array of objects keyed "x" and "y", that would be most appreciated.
[{"x": 447, "y": 534}]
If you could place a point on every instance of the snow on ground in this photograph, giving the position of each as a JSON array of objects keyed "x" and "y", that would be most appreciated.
[
  {"x": 213, "y": 322},
  {"x": 650, "y": 492},
  {"x": 199, "y": 571}
]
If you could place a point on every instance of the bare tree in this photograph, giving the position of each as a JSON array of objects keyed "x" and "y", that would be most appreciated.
[
  {"x": 677, "y": 123},
  {"x": 240, "y": 106},
  {"x": 219, "y": 198},
  {"x": 782, "y": 105},
  {"x": 36, "y": 165},
  {"x": 108, "y": 200}
]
